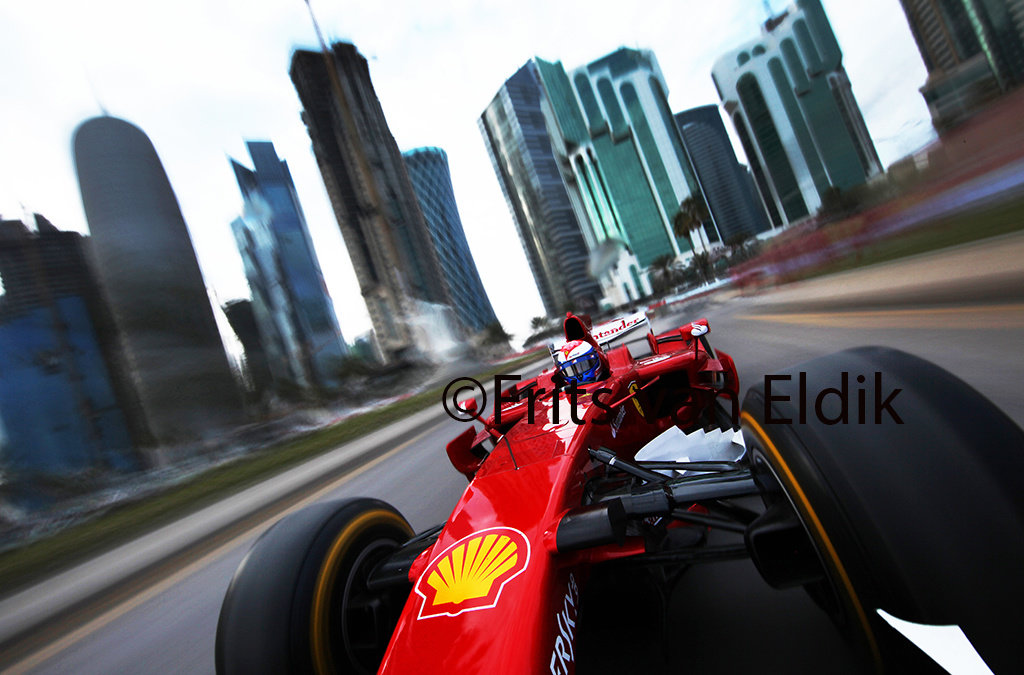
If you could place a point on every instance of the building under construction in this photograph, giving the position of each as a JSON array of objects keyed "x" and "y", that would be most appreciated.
[{"x": 373, "y": 199}]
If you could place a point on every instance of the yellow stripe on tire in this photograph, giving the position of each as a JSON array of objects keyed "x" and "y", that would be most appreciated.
[
  {"x": 817, "y": 530},
  {"x": 319, "y": 639}
]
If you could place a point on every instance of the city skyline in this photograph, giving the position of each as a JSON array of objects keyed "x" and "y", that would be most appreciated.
[{"x": 182, "y": 97}]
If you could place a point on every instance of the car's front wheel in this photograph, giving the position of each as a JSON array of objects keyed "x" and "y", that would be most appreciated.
[
  {"x": 915, "y": 507},
  {"x": 299, "y": 602}
]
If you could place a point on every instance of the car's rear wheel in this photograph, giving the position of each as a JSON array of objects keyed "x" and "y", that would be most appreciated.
[
  {"x": 299, "y": 601},
  {"x": 918, "y": 511}
]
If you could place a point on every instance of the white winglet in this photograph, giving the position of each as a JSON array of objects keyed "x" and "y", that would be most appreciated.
[{"x": 672, "y": 445}]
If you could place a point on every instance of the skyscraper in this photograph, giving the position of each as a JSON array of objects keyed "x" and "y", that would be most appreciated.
[
  {"x": 149, "y": 273},
  {"x": 293, "y": 311},
  {"x": 736, "y": 210},
  {"x": 790, "y": 101},
  {"x": 973, "y": 50},
  {"x": 432, "y": 182},
  {"x": 622, "y": 160},
  {"x": 61, "y": 404},
  {"x": 521, "y": 151},
  {"x": 378, "y": 213}
]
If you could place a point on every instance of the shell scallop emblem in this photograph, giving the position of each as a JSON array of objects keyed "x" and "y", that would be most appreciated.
[{"x": 470, "y": 574}]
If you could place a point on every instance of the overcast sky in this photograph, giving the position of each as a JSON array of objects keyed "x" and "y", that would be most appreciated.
[{"x": 202, "y": 76}]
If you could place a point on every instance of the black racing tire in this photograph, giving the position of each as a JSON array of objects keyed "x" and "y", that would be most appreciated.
[
  {"x": 924, "y": 519},
  {"x": 298, "y": 603}
]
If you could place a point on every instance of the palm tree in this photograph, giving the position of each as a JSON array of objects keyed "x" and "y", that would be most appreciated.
[
  {"x": 691, "y": 216},
  {"x": 701, "y": 264},
  {"x": 538, "y": 323},
  {"x": 662, "y": 271},
  {"x": 494, "y": 334}
]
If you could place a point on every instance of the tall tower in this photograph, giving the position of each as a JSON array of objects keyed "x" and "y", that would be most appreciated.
[
  {"x": 367, "y": 182},
  {"x": 736, "y": 209},
  {"x": 292, "y": 308},
  {"x": 521, "y": 151},
  {"x": 148, "y": 270},
  {"x": 790, "y": 100},
  {"x": 432, "y": 182},
  {"x": 622, "y": 159},
  {"x": 973, "y": 50}
]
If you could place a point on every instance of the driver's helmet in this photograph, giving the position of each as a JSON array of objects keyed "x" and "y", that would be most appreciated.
[{"x": 578, "y": 361}]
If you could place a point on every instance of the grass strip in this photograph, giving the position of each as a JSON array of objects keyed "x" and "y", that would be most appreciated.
[{"x": 44, "y": 557}]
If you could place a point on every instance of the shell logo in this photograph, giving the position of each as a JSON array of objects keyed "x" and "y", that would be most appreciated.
[{"x": 471, "y": 573}]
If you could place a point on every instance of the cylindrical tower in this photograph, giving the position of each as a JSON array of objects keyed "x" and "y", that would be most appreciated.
[
  {"x": 151, "y": 277},
  {"x": 432, "y": 182}
]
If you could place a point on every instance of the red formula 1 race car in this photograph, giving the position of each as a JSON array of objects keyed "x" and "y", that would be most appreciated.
[{"x": 610, "y": 467}]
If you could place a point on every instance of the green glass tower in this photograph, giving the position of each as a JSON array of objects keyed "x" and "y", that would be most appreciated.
[
  {"x": 793, "y": 109},
  {"x": 973, "y": 50},
  {"x": 622, "y": 159}
]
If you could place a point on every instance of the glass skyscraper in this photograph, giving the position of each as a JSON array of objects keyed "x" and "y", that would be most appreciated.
[
  {"x": 432, "y": 182},
  {"x": 294, "y": 313},
  {"x": 622, "y": 159},
  {"x": 736, "y": 210},
  {"x": 521, "y": 151},
  {"x": 973, "y": 50},
  {"x": 790, "y": 101}
]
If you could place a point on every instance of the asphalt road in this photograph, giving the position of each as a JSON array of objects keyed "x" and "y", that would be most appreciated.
[{"x": 724, "y": 618}]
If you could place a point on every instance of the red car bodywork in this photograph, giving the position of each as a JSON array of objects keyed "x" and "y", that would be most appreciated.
[{"x": 494, "y": 594}]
